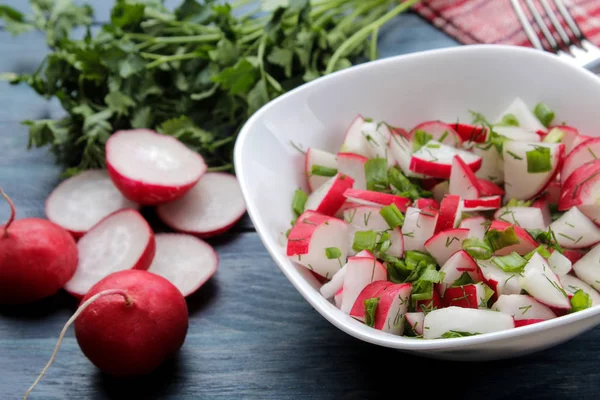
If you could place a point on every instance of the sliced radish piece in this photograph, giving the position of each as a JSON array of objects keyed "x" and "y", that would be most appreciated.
[
  {"x": 392, "y": 307},
  {"x": 367, "y": 218},
  {"x": 579, "y": 140},
  {"x": 525, "y": 217},
  {"x": 123, "y": 240},
  {"x": 435, "y": 160},
  {"x": 582, "y": 190},
  {"x": 353, "y": 165},
  {"x": 543, "y": 284},
  {"x": 440, "y": 190},
  {"x": 499, "y": 281},
  {"x": 444, "y": 244},
  {"x": 354, "y": 140},
  {"x": 425, "y": 204},
  {"x": 572, "y": 284},
  {"x": 418, "y": 227},
  {"x": 360, "y": 272},
  {"x": 481, "y": 204},
  {"x": 473, "y": 295},
  {"x": 337, "y": 299},
  {"x": 316, "y": 157},
  {"x": 400, "y": 148},
  {"x": 522, "y": 307},
  {"x": 450, "y": 213},
  {"x": 463, "y": 181},
  {"x": 440, "y": 132},
  {"x": 150, "y": 168},
  {"x": 517, "y": 134},
  {"x": 329, "y": 289},
  {"x": 184, "y": 260},
  {"x": 399, "y": 131},
  {"x": 328, "y": 198},
  {"x": 585, "y": 152},
  {"x": 213, "y": 206},
  {"x": 526, "y": 243},
  {"x": 371, "y": 198},
  {"x": 544, "y": 205},
  {"x": 587, "y": 269},
  {"x": 415, "y": 321},
  {"x": 491, "y": 163},
  {"x": 310, "y": 238},
  {"x": 458, "y": 264},
  {"x": 471, "y": 133},
  {"x": 574, "y": 230},
  {"x": 489, "y": 188},
  {"x": 560, "y": 264},
  {"x": 476, "y": 226},
  {"x": 530, "y": 167},
  {"x": 370, "y": 291},
  {"x": 526, "y": 118},
  {"x": 80, "y": 202},
  {"x": 378, "y": 137},
  {"x": 458, "y": 319},
  {"x": 574, "y": 255}
]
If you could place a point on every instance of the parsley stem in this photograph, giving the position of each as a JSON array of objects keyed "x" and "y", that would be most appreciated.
[
  {"x": 252, "y": 37},
  {"x": 373, "y": 47},
  {"x": 209, "y": 37},
  {"x": 326, "y": 6},
  {"x": 176, "y": 57},
  {"x": 359, "y": 36},
  {"x": 225, "y": 167}
]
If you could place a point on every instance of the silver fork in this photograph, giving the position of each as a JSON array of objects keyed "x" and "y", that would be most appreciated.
[{"x": 579, "y": 50}]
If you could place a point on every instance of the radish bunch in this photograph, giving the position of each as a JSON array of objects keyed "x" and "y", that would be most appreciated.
[{"x": 453, "y": 229}]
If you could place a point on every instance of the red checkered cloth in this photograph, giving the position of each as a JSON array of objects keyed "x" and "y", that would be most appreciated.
[{"x": 494, "y": 21}]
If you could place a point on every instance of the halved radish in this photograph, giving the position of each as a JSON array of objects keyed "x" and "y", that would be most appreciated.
[
  {"x": 150, "y": 168},
  {"x": 560, "y": 264},
  {"x": 458, "y": 264},
  {"x": 525, "y": 217},
  {"x": 481, "y": 204},
  {"x": 418, "y": 227},
  {"x": 471, "y": 133},
  {"x": 450, "y": 213},
  {"x": 329, "y": 289},
  {"x": 310, "y": 238},
  {"x": 473, "y": 295},
  {"x": 444, "y": 244},
  {"x": 415, "y": 321},
  {"x": 353, "y": 165},
  {"x": 370, "y": 291},
  {"x": 440, "y": 190},
  {"x": 184, "y": 260},
  {"x": 489, "y": 188},
  {"x": 371, "y": 198},
  {"x": 123, "y": 240},
  {"x": 354, "y": 140},
  {"x": 526, "y": 118},
  {"x": 587, "y": 269},
  {"x": 522, "y": 307},
  {"x": 574, "y": 230},
  {"x": 435, "y": 160},
  {"x": 328, "y": 198},
  {"x": 424, "y": 203},
  {"x": 440, "y": 132},
  {"x": 360, "y": 272},
  {"x": 583, "y": 153},
  {"x": 401, "y": 148},
  {"x": 574, "y": 255},
  {"x": 582, "y": 190},
  {"x": 476, "y": 226},
  {"x": 319, "y": 158},
  {"x": 572, "y": 284},
  {"x": 543, "y": 284},
  {"x": 463, "y": 181},
  {"x": 393, "y": 303},
  {"x": 458, "y": 319},
  {"x": 530, "y": 167},
  {"x": 213, "y": 206},
  {"x": 526, "y": 243},
  {"x": 517, "y": 134},
  {"x": 544, "y": 205},
  {"x": 367, "y": 218},
  {"x": 80, "y": 202},
  {"x": 499, "y": 281},
  {"x": 569, "y": 136},
  {"x": 491, "y": 163}
]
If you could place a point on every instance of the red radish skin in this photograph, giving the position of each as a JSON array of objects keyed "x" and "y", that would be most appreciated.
[
  {"x": 401, "y": 148},
  {"x": 459, "y": 263},
  {"x": 544, "y": 205},
  {"x": 525, "y": 322},
  {"x": 371, "y": 198},
  {"x": 213, "y": 206},
  {"x": 329, "y": 198},
  {"x": 393, "y": 303},
  {"x": 425, "y": 204},
  {"x": 121, "y": 241},
  {"x": 37, "y": 257},
  {"x": 573, "y": 255},
  {"x": 582, "y": 190},
  {"x": 150, "y": 168},
  {"x": 489, "y": 188},
  {"x": 439, "y": 130},
  {"x": 482, "y": 204},
  {"x": 526, "y": 242},
  {"x": 422, "y": 163},
  {"x": 415, "y": 321},
  {"x": 399, "y": 131},
  {"x": 471, "y": 133},
  {"x": 553, "y": 191},
  {"x": 360, "y": 272},
  {"x": 81, "y": 201},
  {"x": 450, "y": 211},
  {"x": 467, "y": 296},
  {"x": 583, "y": 153},
  {"x": 463, "y": 181},
  {"x": 317, "y": 157},
  {"x": 370, "y": 291},
  {"x": 432, "y": 304}
]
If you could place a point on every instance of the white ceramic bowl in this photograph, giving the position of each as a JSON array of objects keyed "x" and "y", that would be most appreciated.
[{"x": 403, "y": 91}]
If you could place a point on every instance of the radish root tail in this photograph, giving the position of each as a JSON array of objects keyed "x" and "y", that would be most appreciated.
[
  {"x": 13, "y": 210},
  {"x": 81, "y": 308}
]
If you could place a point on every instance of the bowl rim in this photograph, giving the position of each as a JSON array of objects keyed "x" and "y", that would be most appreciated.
[{"x": 342, "y": 321}]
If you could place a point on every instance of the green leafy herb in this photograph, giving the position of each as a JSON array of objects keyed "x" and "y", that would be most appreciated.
[
  {"x": 512, "y": 262},
  {"x": 464, "y": 279},
  {"x": 392, "y": 215},
  {"x": 376, "y": 174},
  {"x": 457, "y": 334},
  {"x": 420, "y": 139},
  {"x": 299, "y": 202},
  {"x": 580, "y": 301},
  {"x": 332, "y": 253},
  {"x": 500, "y": 239},
  {"x": 509, "y": 120},
  {"x": 364, "y": 240},
  {"x": 556, "y": 135},
  {"x": 539, "y": 160},
  {"x": 545, "y": 237},
  {"x": 518, "y": 203},
  {"x": 370, "y": 310},
  {"x": 541, "y": 250},
  {"x": 477, "y": 248},
  {"x": 544, "y": 114},
  {"x": 320, "y": 170},
  {"x": 514, "y": 155},
  {"x": 402, "y": 186}
]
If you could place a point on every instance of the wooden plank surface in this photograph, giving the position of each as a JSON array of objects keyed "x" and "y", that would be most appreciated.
[{"x": 251, "y": 336}]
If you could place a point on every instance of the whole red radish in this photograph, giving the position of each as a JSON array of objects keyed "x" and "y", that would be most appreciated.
[{"x": 37, "y": 257}]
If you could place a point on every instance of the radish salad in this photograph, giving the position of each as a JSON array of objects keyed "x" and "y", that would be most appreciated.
[{"x": 453, "y": 229}]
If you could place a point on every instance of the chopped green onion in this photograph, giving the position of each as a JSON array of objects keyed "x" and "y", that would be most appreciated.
[
  {"x": 544, "y": 114},
  {"x": 364, "y": 240},
  {"x": 580, "y": 301},
  {"x": 539, "y": 160},
  {"x": 540, "y": 249},
  {"x": 414, "y": 257},
  {"x": 376, "y": 174},
  {"x": 509, "y": 120},
  {"x": 368, "y": 119},
  {"x": 321, "y": 170},
  {"x": 554, "y": 136},
  {"x": 370, "y": 309},
  {"x": 512, "y": 262},
  {"x": 433, "y": 146},
  {"x": 421, "y": 296},
  {"x": 420, "y": 139},
  {"x": 457, "y": 334},
  {"x": 441, "y": 139},
  {"x": 333, "y": 253},
  {"x": 489, "y": 293},
  {"x": 500, "y": 239},
  {"x": 464, "y": 279},
  {"x": 383, "y": 243},
  {"x": 518, "y": 203},
  {"x": 299, "y": 201},
  {"x": 477, "y": 248},
  {"x": 392, "y": 215}
]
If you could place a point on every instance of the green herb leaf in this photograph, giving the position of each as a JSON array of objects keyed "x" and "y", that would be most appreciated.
[
  {"x": 333, "y": 253},
  {"x": 464, "y": 279},
  {"x": 402, "y": 186},
  {"x": 545, "y": 237},
  {"x": 477, "y": 248},
  {"x": 376, "y": 174},
  {"x": 580, "y": 301},
  {"x": 539, "y": 160},
  {"x": 392, "y": 215},
  {"x": 500, "y": 239},
  {"x": 544, "y": 114},
  {"x": 364, "y": 240},
  {"x": 420, "y": 139},
  {"x": 556, "y": 135},
  {"x": 370, "y": 310},
  {"x": 321, "y": 170},
  {"x": 509, "y": 120},
  {"x": 457, "y": 334},
  {"x": 299, "y": 202},
  {"x": 541, "y": 250},
  {"x": 512, "y": 262}
]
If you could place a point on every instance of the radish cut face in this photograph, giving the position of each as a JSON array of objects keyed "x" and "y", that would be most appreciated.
[
  {"x": 587, "y": 269},
  {"x": 418, "y": 227},
  {"x": 526, "y": 242},
  {"x": 491, "y": 163},
  {"x": 585, "y": 152},
  {"x": 378, "y": 136},
  {"x": 560, "y": 264},
  {"x": 184, "y": 260},
  {"x": 361, "y": 271},
  {"x": 80, "y": 202},
  {"x": 526, "y": 118},
  {"x": 463, "y": 181},
  {"x": 329, "y": 289},
  {"x": 355, "y": 141},
  {"x": 372, "y": 198},
  {"x": 498, "y": 280},
  {"x": 150, "y": 168},
  {"x": 525, "y": 217},
  {"x": 320, "y": 158},
  {"x": 543, "y": 284},
  {"x": 517, "y": 134},
  {"x": 574, "y": 230},
  {"x": 211, "y": 207},
  {"x": 458, "y": 319},
  {"x": 522, "y": 307},
  {"x": 415, "y": 321},
  {"x": 329, "y": 197},
  {"x": 444, "y": 244},
  {"x": 459, "y": 263},
  {"x": 435, "y": 160},
  {"x": 476, "y": 226},
  {"x": 353, "y": 165},
  {"x": 573, "y": 284},
  {"x": 400, "y": 149},
  {"x": 121, "y": 241},
  {"x": 393, "y": 303},
  {"x": 367, "y": 218},
  {"x": 439, "y": 131}
]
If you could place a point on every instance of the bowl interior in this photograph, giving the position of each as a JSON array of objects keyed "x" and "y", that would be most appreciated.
[{"x": 403, "y": 91}]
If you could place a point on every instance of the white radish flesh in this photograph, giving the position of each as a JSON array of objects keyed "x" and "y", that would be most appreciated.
[
  {"x": 458, "y": 264},
  {"x": 573, "y": 284},
  {"x": 444, "y": 244},
  {"x": 418, "y": 227},
  {"x": 393, "y": 303},
  {"x": 378, "y": 137},
  {"x": 458, "y": 319},
  {"x": 490, "y": 163},
  {"x": 585, "y": 152},
  {"x": 400, "y": 148},
  {"x": 367, "y": 218},
  {"x": 574, "y": 230},
  {"x": 353, "y": 165},
  {"x": 522, "y": 307},
  {"x": 329, "y": 197},
  {"x": 526, "y": 118},
  {"x": 355, "y": 141},
  {"x": 525, "y": 217},
  {"x": 587, "y": 268},
  {"x": 498, "y": 280},
  {"x": 543, "y": 284},
  {"x": 439, "y": 131},
  {"x": 463, "y": 181},
  {"x": 560, "y": 264},
  {"x": 476, "y": 226},
  {"x": 360, "y": 272},
  {"x": 329, "y": 289},
  {"x": 435, "y": 160},
  {"x": 517, "y": 134},
  {"x": 319, "y": 158}
]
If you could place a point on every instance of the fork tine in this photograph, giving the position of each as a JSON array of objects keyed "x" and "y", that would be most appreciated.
[
  {"x": 567, "y": 42},
  {"x": 562, "y": 9},
  {"x": 527, "y": 27},
  {"x": 542, "y": 25}
]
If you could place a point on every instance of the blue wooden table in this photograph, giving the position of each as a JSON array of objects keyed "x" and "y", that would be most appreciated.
[{"x": 251, "y": 335}]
